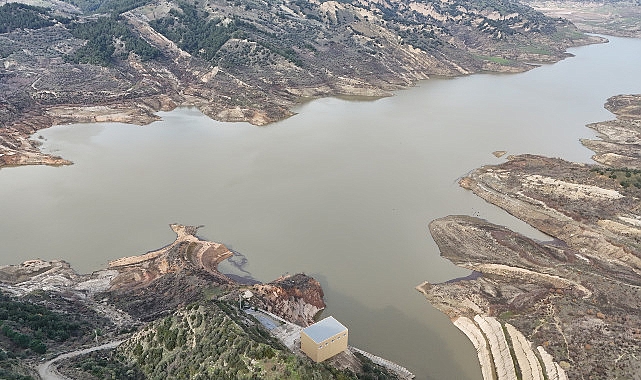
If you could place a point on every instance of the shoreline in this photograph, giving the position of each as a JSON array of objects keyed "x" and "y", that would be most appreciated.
[
  {"x": 571, "y": 296},
  {"x": 18, "y": 148},
  {"x": 136, "y": 293}
]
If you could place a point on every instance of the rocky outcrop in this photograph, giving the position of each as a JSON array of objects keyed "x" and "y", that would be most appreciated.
[
  {"x": 620, "y": 140},
  {"x": 38, "y": 274},
  {"x": 16, "y": 147},
  {"x": 53, "y": 276},
  {"x": 156, "y": 283},
  {"x": 187, "y": 253},
  {"x": 296, "y": 298},
  {"x": 178, "y": 282},
  {"x": 505, "y": 353},
  {"x": 589, "y": 211}
]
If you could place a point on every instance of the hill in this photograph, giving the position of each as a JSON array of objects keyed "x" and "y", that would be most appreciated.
[
  {"x": 170, "y": 311},
  {"x": 246, "y": 60}
]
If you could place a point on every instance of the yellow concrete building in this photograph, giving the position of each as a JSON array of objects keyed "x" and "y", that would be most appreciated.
[{"x": 323, "y": 339}]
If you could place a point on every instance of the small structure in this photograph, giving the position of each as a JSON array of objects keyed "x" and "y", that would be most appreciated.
[
  {"x": 323, "y": 339},
  {"x": 244, "y": 297}
]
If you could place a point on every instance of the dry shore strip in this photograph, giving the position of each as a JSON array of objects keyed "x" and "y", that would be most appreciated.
[{"x": 561, "y": 309}]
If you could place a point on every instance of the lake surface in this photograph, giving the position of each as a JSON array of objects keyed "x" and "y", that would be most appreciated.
[{"x": 343, "y": 191}]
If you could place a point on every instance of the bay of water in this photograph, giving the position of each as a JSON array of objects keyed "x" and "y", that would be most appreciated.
[{"x": 343, "y": 191}]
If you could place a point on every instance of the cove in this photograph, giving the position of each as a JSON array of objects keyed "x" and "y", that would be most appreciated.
[{"x": 342, "y": 191}]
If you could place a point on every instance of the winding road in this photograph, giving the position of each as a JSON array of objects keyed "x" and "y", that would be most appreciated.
[{"x": 47, "y": 370}]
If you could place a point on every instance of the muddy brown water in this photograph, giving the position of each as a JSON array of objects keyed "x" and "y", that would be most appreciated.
[{"x": 343, "y": 191}]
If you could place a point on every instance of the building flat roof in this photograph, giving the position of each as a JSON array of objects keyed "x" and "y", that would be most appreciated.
[{"x": 324, "y": 329}]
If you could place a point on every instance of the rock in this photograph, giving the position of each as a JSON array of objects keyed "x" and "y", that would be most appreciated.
[
  {"x": 150, "y": 285},
  {"x": 619, "y": 140},
  {"x": 296, "y": 298},
  {"x": 187, "y": 253}
]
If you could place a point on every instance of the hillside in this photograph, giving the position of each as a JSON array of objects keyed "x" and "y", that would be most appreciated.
[
  {"x": 612, "y": 17},
  {"x": 206, "y": 341},
  {"x": 245, "y": 60},
  {"x": 170, "y": 311},
  {"x": 38, "y": 323}
]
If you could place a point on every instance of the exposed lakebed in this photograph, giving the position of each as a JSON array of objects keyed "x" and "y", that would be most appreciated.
[{"x": 342, "y": 191}]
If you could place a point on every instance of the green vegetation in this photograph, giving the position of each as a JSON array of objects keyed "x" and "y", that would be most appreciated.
[
  {"x": 107, "y": 6},
  {"x": 108, "y": 37},
  {"x": 9, "y": 372},
  {"x": 496, "y": 26},
  {"x": 11, "y": 368},
  {"x": 499, "y": 60},
  {"x": 542, "y": 50},
  {"x": 206, "y": 340},
  {"x": 193, "y": 32},
  {"x": 372, "y": 371},
  {"x": 25, "y": 331},
  {"x": 26, "y": 325},
  {"x": 100, "y": 365},
  {"x": 6, "y": 50},
  {"x": 287, "y": 53},
  {"x": 506, "y": 315},
  {"x": 626, "y": 177},
  {"x": 215, "y": 340},
  {"x": 21, "y": 16},
  {"x": 420, "y": 38}
]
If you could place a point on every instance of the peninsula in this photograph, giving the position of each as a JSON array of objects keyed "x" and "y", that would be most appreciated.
[
  {"x": 166, "y": 313},
  {"x": 564, "y": 308}
]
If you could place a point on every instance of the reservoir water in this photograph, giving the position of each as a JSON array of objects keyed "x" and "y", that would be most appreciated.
[{"x": 342, "y": 191}]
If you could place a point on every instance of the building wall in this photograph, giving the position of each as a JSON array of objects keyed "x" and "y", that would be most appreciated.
[
  {"x": 309, "y": 347},
  {"x": 326, "y": 349}
]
